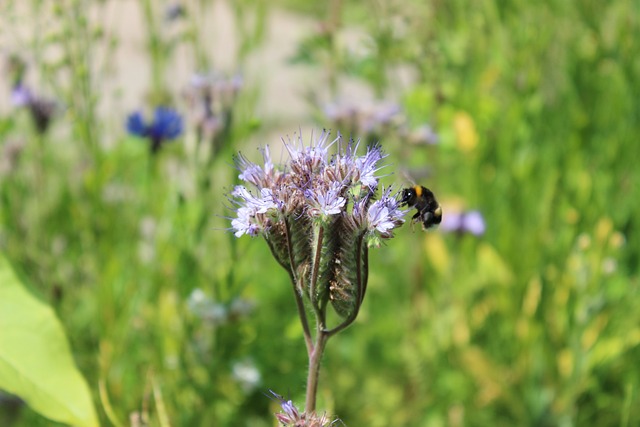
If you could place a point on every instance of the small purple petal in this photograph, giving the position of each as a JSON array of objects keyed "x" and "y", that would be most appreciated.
[
  {"x": 243, "y": 225},
  {"x": 325, "y": 202},
  {"x": 474, "y": 223},
  {"x": 452, "y": 221},
  {"x": 384, "y": 215},
  {"x": 250, "y": 172},
  {"x": 367, "y": 166},
  {"x": 20, "y": 96},
  {"x": 464, "y": 222}
]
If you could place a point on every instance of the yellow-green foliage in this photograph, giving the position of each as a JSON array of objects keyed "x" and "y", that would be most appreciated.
[{"x": 172, "y": 318}]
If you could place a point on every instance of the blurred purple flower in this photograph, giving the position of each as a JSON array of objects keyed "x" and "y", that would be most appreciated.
[
  {"x": 41, "y": 109},
  {"x": 211, "y": 99},
  {"x": 424, "y": 135},
  {"x": 174, "y": 11},
  {"x": 471, "y": 222},
  {"x": 366, "y": 120},
  {"x": 20, "y": 95}
]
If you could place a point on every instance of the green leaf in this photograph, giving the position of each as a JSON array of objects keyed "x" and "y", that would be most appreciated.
[{"x": 35, "y": 357}]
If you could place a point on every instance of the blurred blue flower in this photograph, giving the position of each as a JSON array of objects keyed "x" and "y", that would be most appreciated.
[{"x": 166, "y": 125}]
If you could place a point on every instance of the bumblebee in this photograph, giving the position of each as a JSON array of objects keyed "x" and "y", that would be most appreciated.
[{"x": 423, "y": 199}]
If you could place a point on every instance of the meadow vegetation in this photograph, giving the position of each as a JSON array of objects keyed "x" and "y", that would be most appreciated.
[{"x": 526, "y": 113}]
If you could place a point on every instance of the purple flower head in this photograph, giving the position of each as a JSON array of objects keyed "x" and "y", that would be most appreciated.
[
  {"x": 307, "y": 160},
  {"x": 165, "y": 126},
  {"x": 384, "y": 215},
  {"x": 259, "y": 204},
  {"x": 250, "y": 172},
  {"x": 290, "y": 416},
  {"x": 471, "y": 222},
  {"x": 245, "y": 222},
  {"x": 260, "y": 176},
  {"x": 366, "y": 166},
  {"x": 325, "y": 202},
  {"x": 318, "y": 185}
]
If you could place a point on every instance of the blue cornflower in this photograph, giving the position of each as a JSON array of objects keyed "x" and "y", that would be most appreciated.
[{"x": 166, "y": 125}]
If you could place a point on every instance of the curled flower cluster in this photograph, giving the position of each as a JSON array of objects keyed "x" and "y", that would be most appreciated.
[
  {"x": 319, "y": 215},
  {"x": 315, "y": 186}
]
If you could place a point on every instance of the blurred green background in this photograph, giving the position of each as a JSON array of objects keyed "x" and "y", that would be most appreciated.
[{"x": 528, "y": 112}]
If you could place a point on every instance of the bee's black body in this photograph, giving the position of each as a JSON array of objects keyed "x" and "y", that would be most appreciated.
[{"x": 429, "y": 210}]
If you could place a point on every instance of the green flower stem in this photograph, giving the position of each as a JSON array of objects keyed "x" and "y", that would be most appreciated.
[
  {"x": 157, "y": 52},
  {"x": 315, "y": 357},
  {"x": 303, "y": 319}
]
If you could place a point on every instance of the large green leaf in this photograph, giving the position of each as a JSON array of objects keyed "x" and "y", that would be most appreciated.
[{"x": 35, "y": 357}]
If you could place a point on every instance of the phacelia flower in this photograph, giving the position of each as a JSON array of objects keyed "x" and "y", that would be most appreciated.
[
  {"x": 211, "y": 98},
  {"x": 367, "y": 120},
  {"x": 174, "y": 12},
  {"x": 319, "y": 214},
  {"x": 470, "y": 222},
  {"x": 290, "y": 416},
  {"x": 41, "y": 109},
  {"x": 384, "y": 215},
  {"x": 165, "y": 126},
  {"x": 422, "y": 135},
  {"x": 20, "y": 96}
]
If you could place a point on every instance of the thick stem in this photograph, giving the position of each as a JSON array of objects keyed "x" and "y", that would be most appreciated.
[
  {"x": 315, "y": 357},
  {"x": 303, "y": 318}
]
